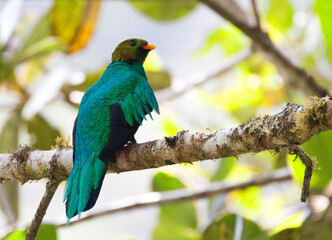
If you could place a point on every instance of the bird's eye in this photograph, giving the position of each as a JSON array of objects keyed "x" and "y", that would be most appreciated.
[{"x": 132, "y": 43}]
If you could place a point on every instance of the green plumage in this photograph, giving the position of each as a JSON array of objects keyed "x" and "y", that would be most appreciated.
[{"x": 109, "y": 115}]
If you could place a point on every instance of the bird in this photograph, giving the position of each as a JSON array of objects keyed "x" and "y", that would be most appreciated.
[{"x": 109, "y": 115}]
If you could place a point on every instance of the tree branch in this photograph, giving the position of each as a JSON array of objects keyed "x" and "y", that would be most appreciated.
[
  {"x": 51, "y": 187},
  {"x": 296, "y": 76},
  {"x": 258, "y": 21},
  {"x": 160, "y": 198},
  {"x": 295, "y": 125}
]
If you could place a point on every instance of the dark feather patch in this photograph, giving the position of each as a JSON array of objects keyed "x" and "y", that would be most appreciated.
[{"x": 120, "y": 133}]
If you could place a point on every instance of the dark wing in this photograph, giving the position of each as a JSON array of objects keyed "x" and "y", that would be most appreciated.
[{"x": 120, "y": 132}]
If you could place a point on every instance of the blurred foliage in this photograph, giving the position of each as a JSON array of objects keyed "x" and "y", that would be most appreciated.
[
  {"x": 23, "y": 59},
  {"x": 170, "y": 127},
  {"x": 9, "y": 133},
  {"x": 57, "y": 31},
  {"x": 37, "y": 127},
  {"x": 249, "y": 199},
  {"x": 229, "y": 38},
  {"x": 165, "y": 10},
  {"x": 256, "y": 85},
  {"x": 178, "y": 220},
  {"x": 252, "y": 86},
  {"x": 224, "y": 168},
  {"x": 310, "y": 229},
  {"x": 9, "y": 136},
  {"x": 293, "y": 221},
  {"x": 226, "y": 227},
  {"x": 74, "y": 27},
  {"x": 323, "y": 9},
  {"x": 46, "y": 231},
  {"x": 158, "y": 78},
  {"x": 39, "y": 49},
  {"x": 280, "y": 14}
]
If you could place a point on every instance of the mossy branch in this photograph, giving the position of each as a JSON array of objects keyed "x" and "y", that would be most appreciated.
[{"x": 295, "y": 125}]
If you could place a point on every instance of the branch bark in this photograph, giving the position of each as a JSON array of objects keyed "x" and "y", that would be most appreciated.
[
  {"x": 296, "y": 76},
  {"x": 295, "y": 125},
  {"x": 258, "y": 21}
]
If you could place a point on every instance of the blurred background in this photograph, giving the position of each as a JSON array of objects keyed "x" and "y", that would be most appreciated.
[{"x": 52, "y": 51}]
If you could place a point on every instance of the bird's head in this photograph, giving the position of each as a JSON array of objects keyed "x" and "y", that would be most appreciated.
[{"x": 132, "y": 50}]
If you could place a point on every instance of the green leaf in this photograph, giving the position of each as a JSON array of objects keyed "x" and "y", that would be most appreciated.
[
  {"x": 44, "y": 134},
  {"x": 310, "y": 229},
  {"x": 224, "y": 227},
  {"x": 287, "y": 234},
  {"x": 167, "y": 229},
  {"x": 225, "y": 166},
  {"x": 45, "y": 231},
  {"x": 9, "y": 133},
  {"x": 169, "y": 126},
  {"x": 319, "y": 147},
  {"x": 292, "y": 221},
  {"x": 15, "y": 235},
  {"x": 39, "y": 49},
  {"x": 323, "y": 9},
  {"x": 229, "y": 38},
  {"x": 178, "y": 220},
  {"x": 280, "y": 14},
  {"x": 163, "y": 181},
  {"x": 158, "y": 80},
  {"x": 41, "y": 31},
  {"x": 165, "y": 10},
  {"x": 74, "y": 27}
]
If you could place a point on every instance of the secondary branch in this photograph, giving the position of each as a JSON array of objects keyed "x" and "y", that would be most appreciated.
[
  {"x": 296, "y": 76},
  {"x": 51, "y": 187},
  {"x": 160, "y": 198}
]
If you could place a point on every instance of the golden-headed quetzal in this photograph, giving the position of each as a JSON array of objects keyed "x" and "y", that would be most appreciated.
[{"x": 109, "y": 115}]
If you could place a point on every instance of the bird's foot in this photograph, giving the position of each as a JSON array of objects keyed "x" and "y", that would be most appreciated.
[{"x": 130, "y": 143}]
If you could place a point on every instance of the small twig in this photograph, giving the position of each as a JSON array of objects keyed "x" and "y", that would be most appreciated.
[
  {"x": 258, "y": 22},
  {"x": 51, "y": 187},
  {"x": 308, "y": 163},
  {"x": 157, "y": 198}
]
